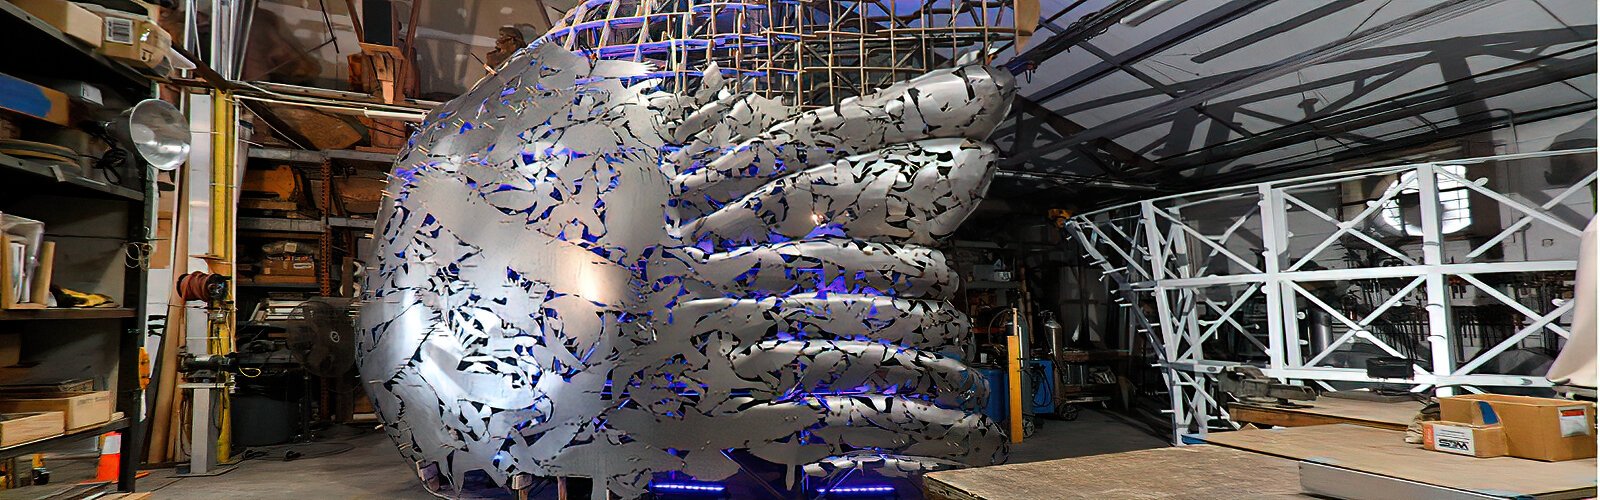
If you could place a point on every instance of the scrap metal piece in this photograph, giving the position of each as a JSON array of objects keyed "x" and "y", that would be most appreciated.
[{"x": 1247, "y": 383}]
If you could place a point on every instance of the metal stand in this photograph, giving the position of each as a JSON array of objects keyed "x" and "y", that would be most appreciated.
[{"x": 213, "y": 165}]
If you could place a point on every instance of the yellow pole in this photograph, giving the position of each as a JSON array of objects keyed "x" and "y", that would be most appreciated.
[
  {"x": 1014, "y": 377},
  {"x": 223, "y": 160}
]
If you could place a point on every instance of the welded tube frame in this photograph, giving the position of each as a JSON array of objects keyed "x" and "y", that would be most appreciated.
[{"x": 1150, "y": 261}]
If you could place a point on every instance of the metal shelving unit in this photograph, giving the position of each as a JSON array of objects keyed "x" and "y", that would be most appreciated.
[
  {"x": 93, "y": 222},
  {"x": 56, "y": 313},
  {"x": 45, "y": 172},
  {"x": 281, "y": 225},
  {"x": 316, "y": 157},
  {"x": 55, "y": 442},
  {"x": 45, "y": 43}
]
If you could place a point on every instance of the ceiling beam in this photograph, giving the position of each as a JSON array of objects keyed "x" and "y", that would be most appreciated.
[
  {"x": 1550, "y": 68},
  {"x": 1190, "y": 29},
  {"x": 1066, "y": 127},
  {"x": 1162, "y": 112},
  {"x": 1161, "y": 86},
  {"x": 1402, "y": 147},
  {"x": 1083, "y": 29}
]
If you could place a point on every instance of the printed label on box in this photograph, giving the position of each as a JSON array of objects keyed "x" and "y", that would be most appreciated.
[
  {"x": 119, "y": 30},
  {"x": 1574, "y": 420},
  {"x": 91, "y": 93},
  {"x": 1453, "y": 439}
]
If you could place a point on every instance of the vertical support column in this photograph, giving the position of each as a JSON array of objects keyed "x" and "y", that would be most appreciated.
[
  {"x": 197, "y": 332},
  {"x": 223, "y": 200},
  {"x": 1186, "y": 320},
  {"x": 1169, "y": 334},
  {"x": 325, "y": 262},
  {"x": 1439, "y": 317},
  {"x": 1175, "y": 248},
  {"x": 1280, "y": 300},
  {"x": 1200, "y": 406},
  {"x": 1014, "y": 390}
]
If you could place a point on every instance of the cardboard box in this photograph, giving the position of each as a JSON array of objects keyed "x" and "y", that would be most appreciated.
[
  {"x": 132, "y": 38},
  {"x": 10, "y": 349},
  {"x": 72, "y": 19},
  {"x": 1482, "y": 441},
  {"x": 1545, "y": 429},
  {"x": 20, "y": 428},
  {"x": 82, "y": 409},
  {"x": 288, "y": 265}
]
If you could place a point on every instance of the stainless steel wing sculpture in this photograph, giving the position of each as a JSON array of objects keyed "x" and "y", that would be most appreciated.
[{"x": 583, "y": 272}]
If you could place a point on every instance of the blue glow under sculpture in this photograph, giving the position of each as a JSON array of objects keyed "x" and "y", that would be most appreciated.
[{"x": 582, "y": 272}]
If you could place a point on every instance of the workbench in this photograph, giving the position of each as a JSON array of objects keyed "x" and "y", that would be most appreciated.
[
  {"x": 1269, "y": 464},
  {"x": 1378, "y": 453},
  {"x": 1198, "y": 472},
  {"x": 1324, "y": 411}
]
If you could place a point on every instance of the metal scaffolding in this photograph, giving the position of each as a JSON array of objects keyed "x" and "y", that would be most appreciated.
[
  {"x": 1306, "y": 277},
  {"x": 807, "y": 53}
]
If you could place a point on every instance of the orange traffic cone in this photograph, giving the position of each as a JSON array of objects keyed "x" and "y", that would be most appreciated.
[{"x": 110, "y": 457}]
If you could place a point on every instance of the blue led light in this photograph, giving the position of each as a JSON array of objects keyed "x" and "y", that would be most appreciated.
[
  {"x": 706, "y": 488},
  {"x": 865, "y": 489}
]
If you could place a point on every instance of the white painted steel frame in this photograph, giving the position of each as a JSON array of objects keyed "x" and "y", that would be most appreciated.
[{"x": 1143, "y": 249}]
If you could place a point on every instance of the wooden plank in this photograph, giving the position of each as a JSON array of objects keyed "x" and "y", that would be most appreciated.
[
  {"x": 1390, "y": 416},
  {"x": 288, "y": 155},
  {"x": 48, "y": 444},
  {"x": 1198, "y": 472},
  {"x": 33, "y": 100},
  {"x": 1386, "y": 453},
  {"x": 19, "y": 428}
]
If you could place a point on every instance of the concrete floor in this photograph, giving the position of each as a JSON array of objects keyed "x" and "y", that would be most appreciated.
[{"x": 372, "y": 469}]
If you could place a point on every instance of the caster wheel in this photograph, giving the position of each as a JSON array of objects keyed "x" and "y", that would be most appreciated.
[
  {"x": 1068, "y": 412},
  {"x": 1029, "y": 426}
]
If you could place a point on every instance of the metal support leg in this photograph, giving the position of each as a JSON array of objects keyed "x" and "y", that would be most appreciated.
[{"x": 1439, "y": 317}]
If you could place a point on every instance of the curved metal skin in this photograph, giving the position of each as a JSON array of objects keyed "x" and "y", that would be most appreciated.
[{"x": 582, "y": 274}]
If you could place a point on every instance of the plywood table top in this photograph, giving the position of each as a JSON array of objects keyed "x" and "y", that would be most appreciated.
[
  {"x": 1190, "y": 472},
  {"x": 1385, "y": 452}
]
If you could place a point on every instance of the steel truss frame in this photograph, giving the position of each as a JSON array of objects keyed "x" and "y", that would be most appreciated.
[{"x": 1169, "y": 273}]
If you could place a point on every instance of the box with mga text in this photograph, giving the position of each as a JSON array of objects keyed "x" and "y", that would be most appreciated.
[
  {"x": 131, "y": 38},
  {"x": 1482, "y": 441},
  {"x": 1545, "y": 429}
]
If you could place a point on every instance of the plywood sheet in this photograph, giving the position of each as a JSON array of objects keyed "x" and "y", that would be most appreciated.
[
  {"x": 1386, "y": 453},
  {"x": 1197, "y": 472},
  {"x": 1382, "y": 415}
]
